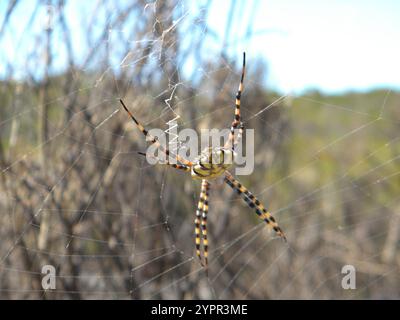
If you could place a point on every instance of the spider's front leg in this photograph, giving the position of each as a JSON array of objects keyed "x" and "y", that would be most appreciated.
[
  {"x": 182, "y": 167},
  {"x": 237, "y": 122},
  {"x": 183, "y": 163}
]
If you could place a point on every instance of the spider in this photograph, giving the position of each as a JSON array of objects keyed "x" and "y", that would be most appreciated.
[{"x": 211, "y": 164}]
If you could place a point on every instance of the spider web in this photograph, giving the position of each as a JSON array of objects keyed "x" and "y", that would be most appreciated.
[{"x": 114, "y": 227}]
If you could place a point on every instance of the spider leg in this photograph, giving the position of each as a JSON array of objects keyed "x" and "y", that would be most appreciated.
[
  {"x": 201, "y": 219},
  {"x": 179, "y": 166},
  {"x": 204, "y": 222},
  {"x": 198, "y": 219},
  {"x": 173, "y": 165},
  {"x": 254, "y": 203},
  {"x": 237, "y": 123},
  {"x": 154, "y": 140}
]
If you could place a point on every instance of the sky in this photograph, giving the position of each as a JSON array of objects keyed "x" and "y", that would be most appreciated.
[
  {"x": 335, "y": 45},
  {"x": 332, "y": 46}
]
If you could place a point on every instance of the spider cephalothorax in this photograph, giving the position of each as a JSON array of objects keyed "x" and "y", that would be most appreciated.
[{"x": 211, "y": 164}]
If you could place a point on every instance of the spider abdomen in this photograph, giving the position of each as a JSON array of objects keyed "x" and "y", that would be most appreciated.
[{"x": 212, "y": 163}]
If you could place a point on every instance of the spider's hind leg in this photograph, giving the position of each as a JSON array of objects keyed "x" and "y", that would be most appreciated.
[
  {"x": 204, "y": 223},
  {"x": 254, "y": 203},
  {"x": 201, "y": 223}
]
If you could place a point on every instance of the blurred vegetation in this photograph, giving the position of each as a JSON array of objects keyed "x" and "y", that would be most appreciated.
[{"x": 74, "y": 193}]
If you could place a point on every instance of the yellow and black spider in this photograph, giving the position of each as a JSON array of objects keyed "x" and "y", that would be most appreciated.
[{"x": 211, "y": 164}]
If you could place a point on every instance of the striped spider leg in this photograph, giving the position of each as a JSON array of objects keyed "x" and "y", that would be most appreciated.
[
  {"x": 201, "y": 222},
  {"x": 183, "y": 165},
  {"x": 254, "y": 203},
  {"x": 237, "y": 123}
]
